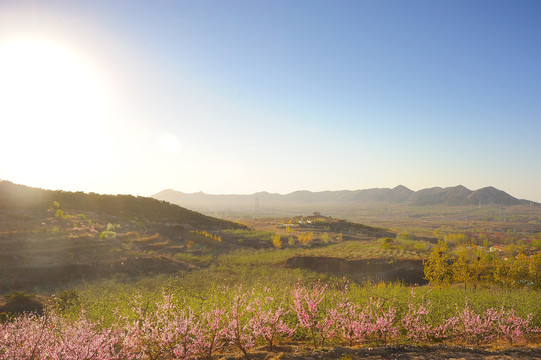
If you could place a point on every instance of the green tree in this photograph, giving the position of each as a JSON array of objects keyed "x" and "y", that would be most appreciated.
[
  {"x": 386, "y": 243},
  {"x": 325, "y": 238},
  {"x": 291, "y": 241},
  {"x": 59, "y": 214}
]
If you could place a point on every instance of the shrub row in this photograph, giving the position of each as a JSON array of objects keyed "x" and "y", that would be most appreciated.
[{"x": 172, "y": 331}]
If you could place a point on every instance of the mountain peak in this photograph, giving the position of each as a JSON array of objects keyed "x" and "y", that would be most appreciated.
[{"x": 491, "y": 195}]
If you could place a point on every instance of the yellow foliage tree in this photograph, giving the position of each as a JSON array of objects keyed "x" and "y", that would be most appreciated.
[
  {"x": 519, "y": 270},
  {"x": 454, "y": 238},
  {"x": 534, "y": 270},
  {"x": 305, "y": 238},
  {"x": 436, "y": 266},
  {"x": 277, "y": 241},
  {"x": 500, "y": 273},
  {"x": 468, "y": 267}
]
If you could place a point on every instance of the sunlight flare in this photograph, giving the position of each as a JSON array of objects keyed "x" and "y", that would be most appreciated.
[
  {"x": 169, "y": 144},
  {"x": 52, "y": 102}
]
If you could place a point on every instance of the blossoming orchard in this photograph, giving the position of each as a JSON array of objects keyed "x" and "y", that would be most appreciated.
[{"x": 308, "y": 314}]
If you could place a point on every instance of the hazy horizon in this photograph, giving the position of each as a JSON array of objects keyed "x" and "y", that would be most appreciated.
[
  {"x": 240, "y": 97},
  {"x": 359, "y": 189},
  {"x": 277, "y": 193}
]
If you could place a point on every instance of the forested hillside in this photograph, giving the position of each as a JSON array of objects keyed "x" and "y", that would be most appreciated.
[{"x": 19, "y": 197}]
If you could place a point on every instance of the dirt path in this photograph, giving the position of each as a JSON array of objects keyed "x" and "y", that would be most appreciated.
[{"x": 438, "y": 352}]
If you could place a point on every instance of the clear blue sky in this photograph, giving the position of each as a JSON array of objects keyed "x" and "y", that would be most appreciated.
[{"x": 245, "y": 96}]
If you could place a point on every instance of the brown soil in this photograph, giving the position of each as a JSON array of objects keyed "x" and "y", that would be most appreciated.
[
  {"x": 436, "y": 352},
  {"x": 24, "y": 277},
  {"x": 34, "y": 305},
  {"x": 409, "y": 272}
]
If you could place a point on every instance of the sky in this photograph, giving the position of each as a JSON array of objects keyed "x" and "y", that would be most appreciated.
[{"x": 134, "y": 97}]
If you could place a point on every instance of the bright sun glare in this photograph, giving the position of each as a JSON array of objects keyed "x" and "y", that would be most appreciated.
[
  {"x": 51, "y": 103},
  {"x": 169, "y": 144}
]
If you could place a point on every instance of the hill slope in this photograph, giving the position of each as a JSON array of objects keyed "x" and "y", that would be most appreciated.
[
  {"x": 53, "y": 237},
  {"x": 20, "y": 197}
]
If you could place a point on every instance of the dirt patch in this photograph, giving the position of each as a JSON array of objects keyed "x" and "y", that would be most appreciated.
[
  {"x": 409, "y": 272},
  {"x": 22, "y": 305},
  {"x": 23, "y": 277}
]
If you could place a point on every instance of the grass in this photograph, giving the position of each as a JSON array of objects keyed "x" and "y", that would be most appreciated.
[
  {"x": 245, "y": 236},
  {"x": 374, "y": 249},
  {"x": 445, "y": 301},
  {"x": 262, "y": 257},
  {"x": 209, "y": 288},
  {"x": 217, "y": 282}
]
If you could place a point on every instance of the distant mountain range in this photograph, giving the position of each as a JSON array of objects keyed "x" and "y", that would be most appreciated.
[{"x": 400, "y": 195}]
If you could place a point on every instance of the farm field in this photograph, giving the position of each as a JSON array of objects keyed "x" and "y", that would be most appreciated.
[{"x": 321, "y": 286}]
